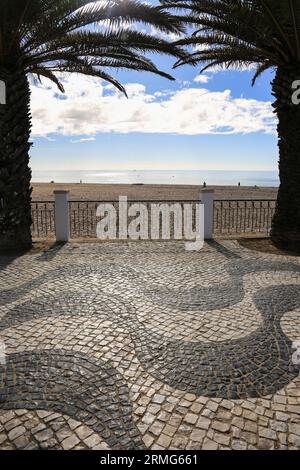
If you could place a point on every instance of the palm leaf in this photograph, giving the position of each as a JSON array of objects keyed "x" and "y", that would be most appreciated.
[
  {"x": 240, "y": 32},
  {"x": 84, "y": 36}
]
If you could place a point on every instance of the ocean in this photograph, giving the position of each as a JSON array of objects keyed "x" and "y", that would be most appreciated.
[{"x": 197, "y": 177}]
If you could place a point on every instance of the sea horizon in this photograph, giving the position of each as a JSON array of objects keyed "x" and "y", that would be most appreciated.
[{"x": 181, "y": 177}]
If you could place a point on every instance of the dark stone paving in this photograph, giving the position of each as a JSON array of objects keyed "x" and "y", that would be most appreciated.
[{"x": 74, "y": 384}]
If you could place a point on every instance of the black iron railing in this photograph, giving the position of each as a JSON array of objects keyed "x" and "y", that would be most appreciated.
[
  {"x": 231, "y": 217},
  {"x": 235, "y": 217},
  {"x": 83, "y": 215},
  {"x": 43, "y": 219}
]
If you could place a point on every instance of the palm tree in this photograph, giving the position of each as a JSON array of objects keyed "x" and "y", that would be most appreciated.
[
  {"x": 266, "y": 34},
  {"x": 45, "y": 38}
]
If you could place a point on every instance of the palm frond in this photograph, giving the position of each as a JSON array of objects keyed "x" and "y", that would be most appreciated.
[
  {"x": 45, "y": 37},
  {"x": 240, "y": 32}
]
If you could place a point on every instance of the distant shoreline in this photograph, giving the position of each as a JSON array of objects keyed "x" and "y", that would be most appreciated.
[
  {"x": 160, "y": 177},
  {"x": 138, "y": 191}
]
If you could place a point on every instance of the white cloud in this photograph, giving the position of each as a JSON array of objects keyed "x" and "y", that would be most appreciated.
[
  {"x": 172, "y": 37},
  {"x": 202, "y": 78},
  {"x": 90, "y": 107},
  {"x": 84, "y": 139}
]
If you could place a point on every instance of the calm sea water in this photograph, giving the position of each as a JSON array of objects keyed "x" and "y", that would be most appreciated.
[{"x": 211, "y": 177}]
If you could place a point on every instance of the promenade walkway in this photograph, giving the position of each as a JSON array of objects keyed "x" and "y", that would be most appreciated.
[{"x": 137, "y": 345}]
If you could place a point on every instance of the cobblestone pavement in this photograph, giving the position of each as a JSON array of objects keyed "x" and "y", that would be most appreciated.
[{"x": 144, "y": 345}]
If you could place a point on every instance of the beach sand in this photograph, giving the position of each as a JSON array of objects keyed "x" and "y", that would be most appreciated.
[{"x": 111, "y": 192}]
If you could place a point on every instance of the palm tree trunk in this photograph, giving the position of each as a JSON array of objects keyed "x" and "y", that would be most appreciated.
[
  {"x": 286, "y": 222},
  {"x": 15, "y": 174}
]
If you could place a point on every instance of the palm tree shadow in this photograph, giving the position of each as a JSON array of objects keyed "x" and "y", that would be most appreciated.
[
  {"x": 49, "y": 252},
  {"x": 5, "y": 261}
]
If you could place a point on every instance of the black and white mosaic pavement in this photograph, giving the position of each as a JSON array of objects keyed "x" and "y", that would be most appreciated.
[
  {"x": 147, "y": 345},
  {"x": 74, "y": 384}
]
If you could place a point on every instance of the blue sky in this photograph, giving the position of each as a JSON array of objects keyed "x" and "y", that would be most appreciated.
[{"x": 215, "y": 122}]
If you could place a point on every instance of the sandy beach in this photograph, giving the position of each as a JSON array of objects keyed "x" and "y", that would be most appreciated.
[{"x": 111, "y": 192}]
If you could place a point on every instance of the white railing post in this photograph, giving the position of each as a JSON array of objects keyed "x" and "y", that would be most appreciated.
[
  {"x": 207, "y": 199},
  {"x": 62, "y": 221},
  {"x": 2, "y": 92}
]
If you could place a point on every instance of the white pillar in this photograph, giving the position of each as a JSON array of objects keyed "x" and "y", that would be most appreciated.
[
  {"x": 62, "y": 221},
  {"x": 207, "y": 199},
  {"x": 2, "y": 92}
]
